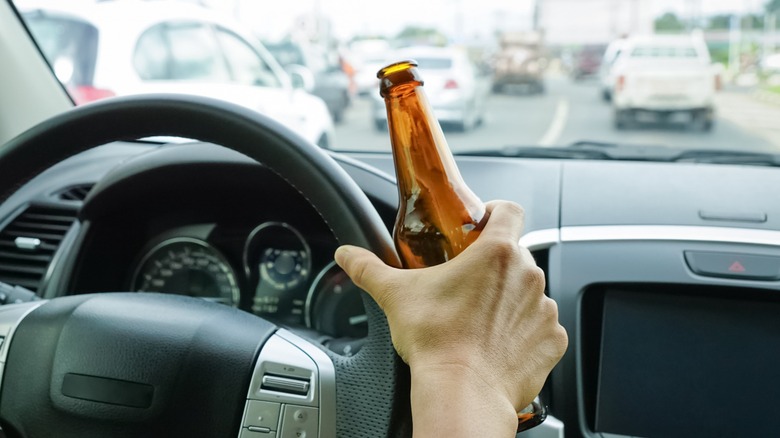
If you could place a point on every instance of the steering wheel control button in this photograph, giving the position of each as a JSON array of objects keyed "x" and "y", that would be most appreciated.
[
  {"x": 284, "y": 374},
  {"x": 292, "y": 392},
  {"x": 734, "y": 265},
  {"x": 299, "y": 422},
  {"x": 261, "y": 414},
  {"x": 285, "y": 384},
  {"x": 249, "y": 433}
]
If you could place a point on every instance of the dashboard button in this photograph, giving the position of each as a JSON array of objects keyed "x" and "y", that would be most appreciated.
[
  {"x": 734, "y": 265},
  {"x": 299, "y": 422},
  {"x": 262, "y": 414},
  {"x": 246, "y": 433}
]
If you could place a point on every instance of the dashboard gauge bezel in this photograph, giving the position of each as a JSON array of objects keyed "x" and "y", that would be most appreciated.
[
  {"x": 254, "y": 274},
  {"x": 223, "y": 261},
  {"x": 262, "y": 227},
  {"x": 315, "y": 290}
]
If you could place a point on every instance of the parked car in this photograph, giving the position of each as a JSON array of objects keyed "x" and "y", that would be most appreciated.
[
  {"x": 456, "y": 88},
  {"x": 330, "y": 82},
  {"x": 169, "y": 47},
  {"x": 665, "y": 78},
  {"x": 520, "y": 62}
]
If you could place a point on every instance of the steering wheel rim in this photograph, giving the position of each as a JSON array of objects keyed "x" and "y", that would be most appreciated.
[{"x": 372, "y": 386}]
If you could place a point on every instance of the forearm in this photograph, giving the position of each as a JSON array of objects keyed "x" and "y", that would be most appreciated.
[{"x": 455, "y": 403}]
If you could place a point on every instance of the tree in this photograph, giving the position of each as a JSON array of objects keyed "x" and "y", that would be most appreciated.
[
  {"x": 669, "y": 22},
  {"x": 772, "y": 6},
  {"x": 720, "y": 22},
  {"x": 422, "y": 35}
]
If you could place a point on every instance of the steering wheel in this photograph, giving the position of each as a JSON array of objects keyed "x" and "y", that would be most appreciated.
[{"x": 136, "y": 364}]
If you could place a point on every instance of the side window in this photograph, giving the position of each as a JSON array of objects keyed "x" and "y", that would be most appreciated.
[
  {"x": 246, "y": 65},
  {"x": 195, "y": 54},
  {"x": 151, "y": 59}
]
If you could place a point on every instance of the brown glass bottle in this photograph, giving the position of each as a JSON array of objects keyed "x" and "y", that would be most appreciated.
[{"x": 438, "y": 215}]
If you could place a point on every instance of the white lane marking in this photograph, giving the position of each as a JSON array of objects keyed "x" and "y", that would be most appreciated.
[{"x": 553, "y": 132}]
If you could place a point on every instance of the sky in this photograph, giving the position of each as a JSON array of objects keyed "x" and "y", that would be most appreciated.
[{"x": 350, "y": 17}]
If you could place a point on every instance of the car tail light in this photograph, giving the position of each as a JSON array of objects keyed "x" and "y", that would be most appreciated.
[
  {"x": 620, "y": 84},
  {"x": 85, "y": 93},
  {"x": 451, "y": 84}
]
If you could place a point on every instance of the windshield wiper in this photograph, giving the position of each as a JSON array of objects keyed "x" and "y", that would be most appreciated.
[
  {"x": 598, "y": 150},
  {"x": 729, "y": 157},
  {"x": 540, "y": 152},
  {"x": 584, "y": 150}
]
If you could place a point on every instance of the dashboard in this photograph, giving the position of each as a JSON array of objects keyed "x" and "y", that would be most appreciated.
[{"x": 666, "y": 275}]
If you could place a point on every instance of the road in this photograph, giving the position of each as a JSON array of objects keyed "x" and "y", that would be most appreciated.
[{"x": 574, "y": 111}]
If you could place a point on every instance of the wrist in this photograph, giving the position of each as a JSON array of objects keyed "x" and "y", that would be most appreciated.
[{"x": 452, "y": 400}]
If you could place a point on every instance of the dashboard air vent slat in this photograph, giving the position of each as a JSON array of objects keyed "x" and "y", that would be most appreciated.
[
  {"x": 28, "y": 244},
  {"x": 75, "y": 193}
]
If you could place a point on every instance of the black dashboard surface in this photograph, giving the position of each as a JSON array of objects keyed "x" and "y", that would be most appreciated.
[{"x": 595, "y": 227}]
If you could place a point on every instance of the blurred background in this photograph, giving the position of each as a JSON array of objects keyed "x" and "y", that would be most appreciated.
[{"x": 678, "y": 73}]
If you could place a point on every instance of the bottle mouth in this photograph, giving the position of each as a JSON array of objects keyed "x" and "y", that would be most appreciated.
[{"x": 396, "y": 67}]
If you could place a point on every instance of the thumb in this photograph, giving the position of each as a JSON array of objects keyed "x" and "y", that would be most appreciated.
[{"x": 366, "y": 270}]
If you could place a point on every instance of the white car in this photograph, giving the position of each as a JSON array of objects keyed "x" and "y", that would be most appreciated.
[
  {"x": 104, "y": 49},
  {"x": 606, "y": 75},
  {"x": 664, "y": 78},
  {"x": 455, "y": 87}
]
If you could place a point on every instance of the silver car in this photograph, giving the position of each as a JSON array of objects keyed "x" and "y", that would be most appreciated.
[{"x": 455, "y": 87}]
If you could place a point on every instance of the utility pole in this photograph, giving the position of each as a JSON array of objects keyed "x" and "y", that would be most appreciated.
[{"x": 735, "y": 36}]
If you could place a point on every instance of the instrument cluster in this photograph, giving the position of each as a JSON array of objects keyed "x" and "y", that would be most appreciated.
[{"x": 273, "y": 271}]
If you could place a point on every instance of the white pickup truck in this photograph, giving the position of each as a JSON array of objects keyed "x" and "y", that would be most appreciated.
[{"x": 663, "y": 78}]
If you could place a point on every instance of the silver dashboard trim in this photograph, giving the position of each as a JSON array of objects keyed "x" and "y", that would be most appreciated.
[
  {"x": 540, "y": 239},
  {"x": 10, "y": 317},
  {"x": 670, "y": 232},
  {"x": 326, "y": 381}
]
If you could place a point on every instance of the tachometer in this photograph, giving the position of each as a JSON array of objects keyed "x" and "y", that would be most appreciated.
[{"x": 187, "y": 266}]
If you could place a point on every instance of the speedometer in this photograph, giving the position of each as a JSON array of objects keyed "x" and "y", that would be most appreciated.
[{"x": 187, "y": 266}]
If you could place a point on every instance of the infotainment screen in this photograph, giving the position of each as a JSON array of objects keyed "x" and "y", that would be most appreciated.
[{"x": 675, "y": 365}]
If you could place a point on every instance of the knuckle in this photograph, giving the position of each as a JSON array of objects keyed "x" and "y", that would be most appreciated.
[
  {"x": 534, "y": 278},
  {"x": 561, "y": 339},
  {"x": 515, "y": 209},
  {"x": 503, "y": 248}
]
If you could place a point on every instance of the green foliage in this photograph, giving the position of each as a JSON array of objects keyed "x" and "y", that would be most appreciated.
[
  {"x": 669, "y": 22},
  {"x": 772, "y": 6},
  {"x": 422, "y": 35}
]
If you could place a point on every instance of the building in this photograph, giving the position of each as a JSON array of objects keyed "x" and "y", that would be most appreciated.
[{"x": 592, "y": 22}]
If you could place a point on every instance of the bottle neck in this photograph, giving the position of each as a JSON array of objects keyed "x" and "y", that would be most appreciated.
[{"x": 419, "y": 147}]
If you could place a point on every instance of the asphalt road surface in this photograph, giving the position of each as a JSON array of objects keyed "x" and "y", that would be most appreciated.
[{"x": 574, "y": 111}]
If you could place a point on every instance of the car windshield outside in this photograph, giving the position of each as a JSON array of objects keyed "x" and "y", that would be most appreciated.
[{"x": 696, "y": 75}]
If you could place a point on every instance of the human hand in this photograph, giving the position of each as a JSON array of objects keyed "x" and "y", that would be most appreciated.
[{"x": 477, "y": 329}]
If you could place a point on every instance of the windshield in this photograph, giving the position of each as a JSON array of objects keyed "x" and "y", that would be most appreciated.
[{"x": 499, "y": 74}]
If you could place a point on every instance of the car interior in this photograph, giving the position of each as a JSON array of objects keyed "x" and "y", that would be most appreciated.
[{"x": 665, "y": 267}]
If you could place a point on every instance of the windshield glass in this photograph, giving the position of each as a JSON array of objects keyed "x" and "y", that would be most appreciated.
[{"x": 689, "y": 76}]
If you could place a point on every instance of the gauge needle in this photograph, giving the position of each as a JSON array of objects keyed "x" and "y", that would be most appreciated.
[{"x": 358, "y": 319}]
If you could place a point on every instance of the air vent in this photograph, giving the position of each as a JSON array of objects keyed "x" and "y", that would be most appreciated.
[
  {"x": 75, "y": 193},
  {"x": 28, "y": 244}
]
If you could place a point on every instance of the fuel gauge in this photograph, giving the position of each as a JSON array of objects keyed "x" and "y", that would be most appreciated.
[{"x": 334, "y": 305}]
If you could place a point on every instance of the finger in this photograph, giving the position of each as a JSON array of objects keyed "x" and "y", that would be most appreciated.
[
  {"x": 506, "y": 220},
  {"x": 366, "y": 270}
]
